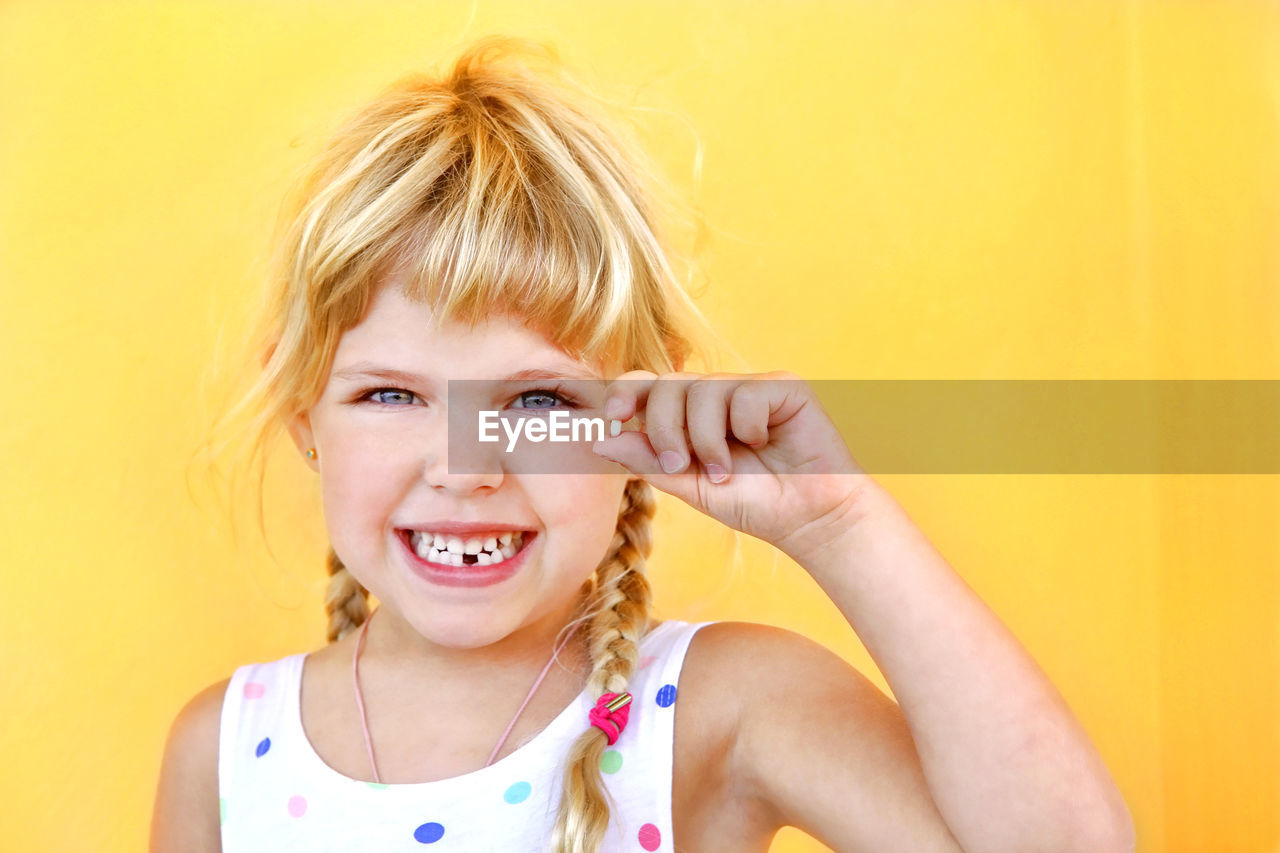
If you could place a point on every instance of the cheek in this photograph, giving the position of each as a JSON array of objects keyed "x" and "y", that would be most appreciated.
[
  {"x": 589, "y": 512},
  {"x": 361, "y": 485}
]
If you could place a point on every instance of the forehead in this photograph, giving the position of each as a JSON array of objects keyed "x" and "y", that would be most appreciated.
[{"x": 398, "y": 333}]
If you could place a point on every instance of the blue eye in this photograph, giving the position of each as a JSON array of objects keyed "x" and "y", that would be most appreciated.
[
  {"x": 547, "y": 396},
  {"x": 539, "y": 399},
  {"x": 390, "y": 396}
]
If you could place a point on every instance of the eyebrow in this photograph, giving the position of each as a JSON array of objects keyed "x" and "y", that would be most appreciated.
[{"x": 373, "y": 371}]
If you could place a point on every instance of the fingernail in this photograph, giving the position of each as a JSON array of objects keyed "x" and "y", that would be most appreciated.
[
  {"x": 613, "y": 408},
  {"x": 670, "y": 461},
  {"x": 717, "y": 474}
]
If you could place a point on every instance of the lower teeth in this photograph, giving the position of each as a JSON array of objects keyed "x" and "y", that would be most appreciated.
[{"x": 447, "y": 558}]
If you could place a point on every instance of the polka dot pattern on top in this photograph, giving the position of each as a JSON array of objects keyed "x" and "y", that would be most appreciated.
[
  {"x": 276, "y": 792},
  {"x": 611, "y": 761},
  {"x": 518, "y": 793},
  {"x": 428, "y": 833},
  {"x": 297, "y": 805},
  {"x": 649, "y": 837}
]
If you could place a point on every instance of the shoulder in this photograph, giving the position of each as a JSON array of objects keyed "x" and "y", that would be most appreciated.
[
  {"x": 809, "y": 741},
  {"x": 186, "y": 815},
  {"x": 193, "y": 736},
  {"x": 767, "y": 681},
  {"x": 745, "y": 682},
  {"x": 725, "y": 654}
]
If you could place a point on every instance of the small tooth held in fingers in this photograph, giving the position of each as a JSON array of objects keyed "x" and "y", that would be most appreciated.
[{"x": 615, "y": 428}]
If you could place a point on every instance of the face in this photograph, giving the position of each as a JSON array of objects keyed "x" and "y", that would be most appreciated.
[{"x": 382, "y": 457}]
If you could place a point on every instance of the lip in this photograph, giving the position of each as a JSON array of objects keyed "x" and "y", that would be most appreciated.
[
  {"x": 465, "y": 576},
  {"x": 462, "y": 528}
]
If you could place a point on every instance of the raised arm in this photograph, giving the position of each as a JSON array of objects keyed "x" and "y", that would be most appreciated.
[
  {"x": 993, "y": 746},
  {"x": 1005, "y": 761}
]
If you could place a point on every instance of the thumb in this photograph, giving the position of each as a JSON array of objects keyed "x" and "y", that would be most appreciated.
[{"x": 633, "y": 451}]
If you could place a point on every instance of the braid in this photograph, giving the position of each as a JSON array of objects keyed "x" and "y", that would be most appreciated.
[
  {"x": 617, "y": 621},
  {"x": 346, "y": 601}
]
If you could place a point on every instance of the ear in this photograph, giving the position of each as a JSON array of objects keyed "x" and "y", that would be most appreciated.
[{"x": 303, "y": 439}]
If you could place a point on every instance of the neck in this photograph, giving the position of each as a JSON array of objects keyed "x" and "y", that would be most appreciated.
[{"x": 393, "y": 642}]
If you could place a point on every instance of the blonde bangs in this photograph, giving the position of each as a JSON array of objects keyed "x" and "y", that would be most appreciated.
[
  {"x": 486, "y": 193},
  {"x": 499, "y": 187}
]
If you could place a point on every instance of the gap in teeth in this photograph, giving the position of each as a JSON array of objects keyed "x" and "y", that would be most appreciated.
[{"x": 470, "y": 551}]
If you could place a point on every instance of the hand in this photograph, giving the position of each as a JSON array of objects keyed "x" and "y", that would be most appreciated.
[{"x": 753, "y": 451}]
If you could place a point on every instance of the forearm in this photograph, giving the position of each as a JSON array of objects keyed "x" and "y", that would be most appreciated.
[{"x": 1007, "y": 763}]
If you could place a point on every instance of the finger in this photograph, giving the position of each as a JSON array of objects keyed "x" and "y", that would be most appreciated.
[
  {"x": 664, "y": 420},
  {"x": 627, "y": 394},
  {"x": 633, "y": 451},
  {"x": 749, "y": 413},
  {"x": 787, "y": 395},
  {"x": 707, "y": 420}
]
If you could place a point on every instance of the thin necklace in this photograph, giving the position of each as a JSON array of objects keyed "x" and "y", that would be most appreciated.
[{"x": 364, "y": 721}]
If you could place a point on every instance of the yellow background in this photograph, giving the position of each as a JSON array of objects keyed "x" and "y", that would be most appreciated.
[{"x": 1031, "y": 190}]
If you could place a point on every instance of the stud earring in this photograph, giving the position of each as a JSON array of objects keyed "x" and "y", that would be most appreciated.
[{"x": 311, "y": 453}]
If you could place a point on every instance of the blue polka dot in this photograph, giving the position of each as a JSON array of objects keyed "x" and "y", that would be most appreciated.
[
  {"x": 428, "y": 833},
  {"x": 518, "y": 793},
  {"x": 263, "y": 746},
  {"x": 666, "y": 696}
]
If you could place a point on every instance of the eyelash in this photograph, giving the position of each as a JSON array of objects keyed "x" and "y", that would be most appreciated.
[{"x": 554, "y": 391}]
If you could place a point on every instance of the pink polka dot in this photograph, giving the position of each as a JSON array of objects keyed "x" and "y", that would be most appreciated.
[
  {"x": 646, "y": 660},
  {"x": 298, "y": 807},
  {"x": 254, "y": 689},
  {"x": 650, "y": 838}
]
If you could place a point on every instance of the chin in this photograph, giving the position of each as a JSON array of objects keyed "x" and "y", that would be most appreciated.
[{"x": 462, "y": 630}]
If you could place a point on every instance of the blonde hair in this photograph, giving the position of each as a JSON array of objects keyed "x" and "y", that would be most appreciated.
[{"x": 493, "y": 187}]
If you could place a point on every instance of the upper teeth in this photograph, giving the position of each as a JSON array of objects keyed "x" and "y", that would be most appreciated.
[{"x": 449, "y": 550}]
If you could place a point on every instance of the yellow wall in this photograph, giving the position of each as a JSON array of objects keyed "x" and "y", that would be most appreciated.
[{"x": 898, "y": 190}]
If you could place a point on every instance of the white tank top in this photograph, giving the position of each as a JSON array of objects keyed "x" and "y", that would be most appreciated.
[{"x": 277, "y": 794}]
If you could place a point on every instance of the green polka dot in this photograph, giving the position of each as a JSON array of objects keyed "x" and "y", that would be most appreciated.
[
  {"x": 377, "y": 786},
  {"x": 611, "y": 761},
  {"x": 222, "y": 811}
]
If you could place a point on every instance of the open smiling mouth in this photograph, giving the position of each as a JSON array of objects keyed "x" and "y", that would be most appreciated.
[{"x": 492, "y": 549}]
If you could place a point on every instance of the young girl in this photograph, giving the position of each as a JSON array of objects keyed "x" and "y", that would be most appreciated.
[{"x": 511, "y": 691}]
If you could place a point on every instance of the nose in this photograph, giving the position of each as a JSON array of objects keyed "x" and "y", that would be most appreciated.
[{"x": 455, "y": 460}]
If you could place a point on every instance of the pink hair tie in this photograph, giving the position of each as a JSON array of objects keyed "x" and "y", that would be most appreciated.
[{"x": 610, "y": 714}]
